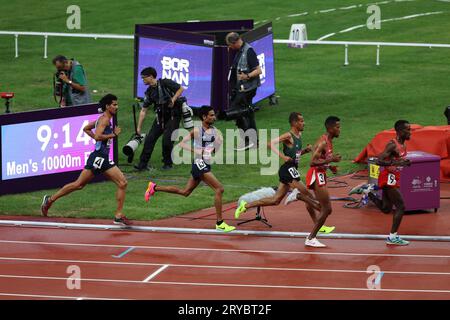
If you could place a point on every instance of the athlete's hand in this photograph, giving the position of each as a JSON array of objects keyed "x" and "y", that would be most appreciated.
[
  {"x": 334, "y": 169},
  {"x": 407, "y": 162},
  {"x": 308, "y": 148},
  {"x": 287, "y": 159},
  {"x": 117, "y": 131},
  {"x": 336, "y": 158}
]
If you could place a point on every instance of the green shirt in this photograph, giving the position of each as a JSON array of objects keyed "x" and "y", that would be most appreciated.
[
  {"x": 294, "y": 151},
  {"x": 79, "y": 78}
]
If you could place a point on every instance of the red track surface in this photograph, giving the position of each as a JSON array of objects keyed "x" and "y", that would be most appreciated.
[{"x": 34, "y": 262}]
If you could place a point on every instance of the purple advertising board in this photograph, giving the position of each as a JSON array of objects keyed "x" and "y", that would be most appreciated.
[
  {"x": 187, "y": 64},
  {"x": 264, "y": 50},
  {"x": 51, "y": 146},
  {"x": 46, "y": 148}
]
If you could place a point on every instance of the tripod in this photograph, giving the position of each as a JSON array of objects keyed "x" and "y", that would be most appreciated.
[{"x": 259, "y": 217}]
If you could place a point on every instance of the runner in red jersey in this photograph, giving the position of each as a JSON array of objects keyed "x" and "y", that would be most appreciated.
[
  {"x": 316, "y": 178},
  {"x": 392, "y": 159}
]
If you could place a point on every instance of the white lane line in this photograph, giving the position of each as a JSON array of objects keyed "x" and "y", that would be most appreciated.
[
  {"x": 350, "y": 7},
  {"x": 328, "y": 10},
  {"x": 228, "y": 250},
  {"x": 326, "y": 36},
  {"x": 229, "y": 284},
  {"x": 298, "y": 14},
  {"x": 382, "y": 21},
  {"x": 145, "y": 264},
  {"x": 5, "y": 294},
  {"x": 154, "y": 274}
]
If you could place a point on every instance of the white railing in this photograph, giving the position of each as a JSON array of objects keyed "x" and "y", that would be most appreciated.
[{"x": 346, "y": 44}]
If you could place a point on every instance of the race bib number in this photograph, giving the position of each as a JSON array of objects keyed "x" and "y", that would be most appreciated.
[
  {"x": 391, "y": 180},
  {"x": 294, "y": 173},
  {"x": 321, "y": 178},
  {"x": 98, "y": 162},
  {"x": 200, "y": 164}
]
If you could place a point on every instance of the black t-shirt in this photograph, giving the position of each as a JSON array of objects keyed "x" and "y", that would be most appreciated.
[{"x": 152, "y": 96}]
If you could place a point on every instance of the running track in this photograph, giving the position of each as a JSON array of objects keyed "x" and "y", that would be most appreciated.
[{"x": 138, "y": 265}]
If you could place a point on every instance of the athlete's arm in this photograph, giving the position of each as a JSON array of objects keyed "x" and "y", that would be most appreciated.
[
  {"x": 307, "y": 149},
  {"x": 318, "y": 149},
  {"x": 101, "y": 125},
  {"x": 218, "y": 140},
  {"x": 273, "y": 144},
  {"x": 88, "y": 129},
  {"x": 390, "y": 151},
  {"x": 187, "y": 138}
]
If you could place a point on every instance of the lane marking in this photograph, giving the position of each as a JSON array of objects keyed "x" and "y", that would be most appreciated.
[
  {"x": 145, "y": 264},
  {"x": 124, "y": 253},
  {"x": 51, "y": 297},
  {"x": 227, "y": 250},
  {"x": 382, "y": 21},
  {"x": 229, "y": 285},
  {"x": 154, "y": 274}
]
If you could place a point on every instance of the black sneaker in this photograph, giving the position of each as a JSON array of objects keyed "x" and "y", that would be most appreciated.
[
  {"x": 45, "y": 205},
  {"x": 139, "y": 167},
  {"x": 166, "y": 167},
  {"x": 122, "y": 221}
]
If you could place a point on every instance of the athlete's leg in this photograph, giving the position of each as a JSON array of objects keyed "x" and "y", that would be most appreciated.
[
  {"x": 395, "y": 197},
  {"x": 186, "y": 191},
  {"x": 84, "y": 178},
  {"x": 306, "y": 197},
  {"x": 323, "y": 197},
  {"x": 270, "y": 201},
  {"x": 215, "y": 184},
  {"x": 385, "y": 204},
  {"x": 115, "y": 175}
]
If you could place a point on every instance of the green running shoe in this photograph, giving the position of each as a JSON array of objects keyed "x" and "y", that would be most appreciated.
[
  {"x": 224, "y": 227},
  {"x": 326, "y": 229},
  {"x": 241, "y": 209},
  {"x": 397, "y": 241}
]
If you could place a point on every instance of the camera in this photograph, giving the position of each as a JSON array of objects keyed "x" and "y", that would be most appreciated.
[
  {"x": 234, "y": 114},
  {"x": 132, "y": 145},
  {"x": 58, "y": 86},
  {"x": 188, "y": 123}
]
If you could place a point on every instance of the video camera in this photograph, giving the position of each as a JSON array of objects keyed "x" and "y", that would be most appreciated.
[
  {"x": 236, "y": 113},
  {"x": 58, "y": 86}
]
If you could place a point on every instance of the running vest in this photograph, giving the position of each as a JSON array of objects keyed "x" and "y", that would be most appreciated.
[
  {"x": 295, "y": 151},
  {"x": 104, "y": 146},
  {"x": 207, "y": 143},
  {"x": 328, "y": 153},
  {"x": 401, "y": 149}
]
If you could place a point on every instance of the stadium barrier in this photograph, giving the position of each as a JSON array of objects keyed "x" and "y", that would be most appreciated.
[{"x": 346, "y": 44}]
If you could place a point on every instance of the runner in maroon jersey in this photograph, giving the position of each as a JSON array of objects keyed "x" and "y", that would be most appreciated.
[
  {"x": 392, "y": 159},
  {"x": 316, "y": 178}
]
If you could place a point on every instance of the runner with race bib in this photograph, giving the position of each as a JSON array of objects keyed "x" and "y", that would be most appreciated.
[
  {"x": 393, "y": 158},
  {"x": 98, "y": 161},
  {"x": 316, "y": 178},
  {"x": 206, "y": 140},
  {"x": 289, "y": 176}
]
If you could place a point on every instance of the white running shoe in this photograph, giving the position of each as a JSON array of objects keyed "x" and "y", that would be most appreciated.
[
  {"x": 314, "y": 243},
  {"x": 292, "y": 196}
]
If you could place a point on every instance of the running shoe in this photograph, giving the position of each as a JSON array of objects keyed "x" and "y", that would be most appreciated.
[
  {"x": 150, "y": 191},
  {"x": 122, "y": 221},
  {"x": 224, "y": 227},
  {"x": 314, "y": 243},
  {"x": 240, "y": 210},
  {"x": 46, "y": 204},
  {"x": 397, "y": 241},
  {"x": 292, "y": 196},
  {"x": 325, "y": 229}
]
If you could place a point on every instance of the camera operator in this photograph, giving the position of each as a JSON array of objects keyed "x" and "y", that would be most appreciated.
[
  {"x": 244, "y": 81},
  {"x": 70, "y": 82},
  {"x": 164, "y": 94}
]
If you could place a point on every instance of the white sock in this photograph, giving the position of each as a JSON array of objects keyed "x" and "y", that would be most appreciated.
[{"x": 392, "y": 235}]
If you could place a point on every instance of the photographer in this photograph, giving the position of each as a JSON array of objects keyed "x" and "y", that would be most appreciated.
[
  {"x": 244, "y": 81},
  {"x": 70, "y": 82},
  {"x": 164, "y": 94}
]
